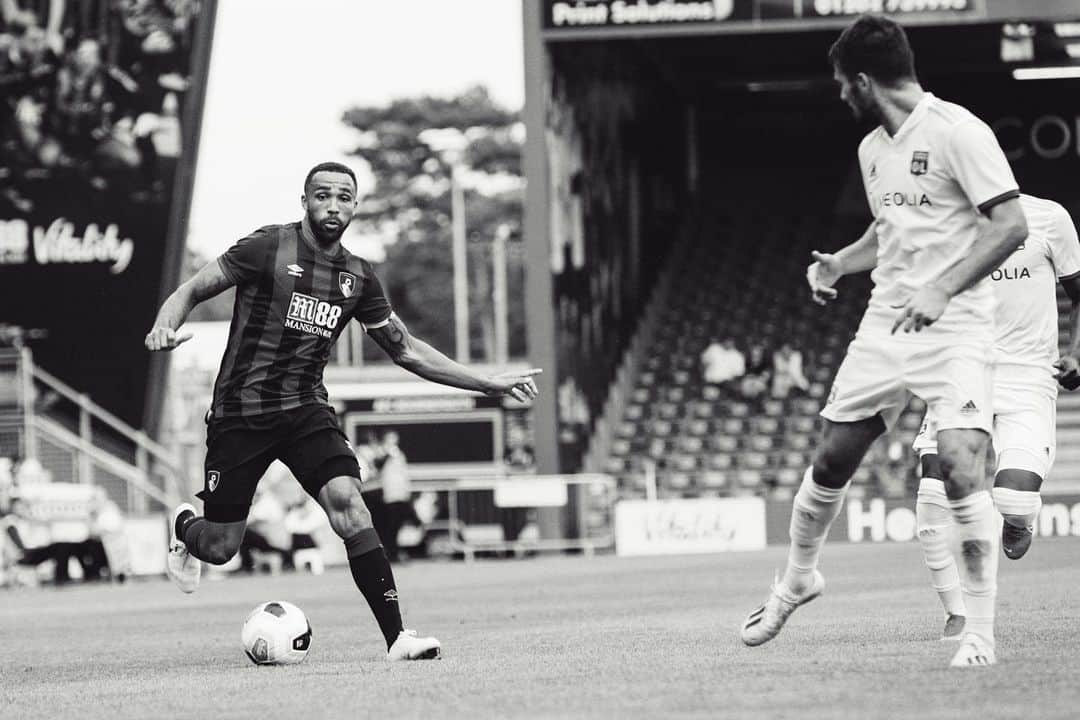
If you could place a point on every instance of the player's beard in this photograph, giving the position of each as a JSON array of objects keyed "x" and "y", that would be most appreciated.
[
  {"x": 324, "y": 234},
  {"x": 864, "y": 109}
]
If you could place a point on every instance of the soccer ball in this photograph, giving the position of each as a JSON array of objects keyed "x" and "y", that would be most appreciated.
[{"x": 276, "y": 633}]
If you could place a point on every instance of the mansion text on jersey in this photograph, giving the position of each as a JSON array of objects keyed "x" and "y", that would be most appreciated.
[{"x": 312, "y": 315}]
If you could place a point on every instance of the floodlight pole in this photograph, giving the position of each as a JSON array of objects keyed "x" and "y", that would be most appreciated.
[
  {"x": 461, "y": 278},
  {"x": 499, "y": 294}
]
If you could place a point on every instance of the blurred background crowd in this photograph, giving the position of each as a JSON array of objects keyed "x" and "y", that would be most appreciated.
[{"x": 91, "y": 91}]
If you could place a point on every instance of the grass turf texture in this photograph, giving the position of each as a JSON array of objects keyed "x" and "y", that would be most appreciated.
[{"x": 554, "y": 637}]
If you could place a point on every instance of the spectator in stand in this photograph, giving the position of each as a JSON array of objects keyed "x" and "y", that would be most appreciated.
[
  {"x": 80, "y": 100},
  {"x": 722, "y": 362},
  {"x": 397, "y": 494},
  {"x": 788, "y": 372},
  {"x": 758, "y": 372}
]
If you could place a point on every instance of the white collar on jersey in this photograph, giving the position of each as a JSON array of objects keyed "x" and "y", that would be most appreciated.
[{"x": 911, "y": 120}]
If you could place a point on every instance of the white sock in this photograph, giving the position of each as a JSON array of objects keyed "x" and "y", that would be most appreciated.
[
  {"x": 935, "y": 524},
  {"x": 1018, "y": 507},
  {"x": 978, "y": 532},
  {"x": 812, "y": 513}
]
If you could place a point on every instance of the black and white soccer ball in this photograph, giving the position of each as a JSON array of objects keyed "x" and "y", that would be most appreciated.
[{"x": 276, "y": 633}]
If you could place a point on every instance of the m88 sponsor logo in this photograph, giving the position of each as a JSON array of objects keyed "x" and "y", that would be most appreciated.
[{"x": 311, "y": 315}]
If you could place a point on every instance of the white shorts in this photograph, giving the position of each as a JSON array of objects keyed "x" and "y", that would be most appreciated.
[
  {"x": 1025, "y": 426},
  {"x": 880, "y": 372}
]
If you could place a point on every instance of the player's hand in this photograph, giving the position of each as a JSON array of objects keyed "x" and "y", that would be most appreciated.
[
  {"x": 518, "y": 385},
  {"x": 922, "y": 310},
  {"x": 1068, "y": 372},
  {"x": 822, "y": 275},
  {"x": 165, "y": 338}
]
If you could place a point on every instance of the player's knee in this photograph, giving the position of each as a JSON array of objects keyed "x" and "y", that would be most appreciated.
[
  {"x": 219, "y": 550},
  {"x": 832, "y": 468},
  {"x": 345, "y": 506}
]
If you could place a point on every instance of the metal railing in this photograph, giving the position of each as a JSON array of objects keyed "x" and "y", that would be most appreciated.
[{"x": 116, "y": 453}]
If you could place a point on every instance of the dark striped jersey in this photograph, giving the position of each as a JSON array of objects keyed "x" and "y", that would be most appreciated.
[{"x": 292, "y": 302}]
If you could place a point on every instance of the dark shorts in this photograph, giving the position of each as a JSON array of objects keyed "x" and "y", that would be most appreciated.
[{"x": 308, "y": 440}]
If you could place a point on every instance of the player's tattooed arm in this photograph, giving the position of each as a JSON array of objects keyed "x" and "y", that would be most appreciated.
[
  {"x": 206, "y": 283},
  {"x": 418, "y": 357},
  {"x": 394, "y": 339}
]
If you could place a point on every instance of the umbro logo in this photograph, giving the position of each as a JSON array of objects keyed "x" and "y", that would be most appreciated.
[
  {"x": 295, "y": 270},
  {"x": 969, "y": 407}
]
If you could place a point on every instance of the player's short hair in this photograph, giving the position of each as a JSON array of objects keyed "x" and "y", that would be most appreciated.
[
  {"x": 329, "y": 167},
  {"x": 874, "y": 45}
]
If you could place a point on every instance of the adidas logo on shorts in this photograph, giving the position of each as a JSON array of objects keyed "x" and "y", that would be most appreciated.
[{"x": 969, "y": 408}]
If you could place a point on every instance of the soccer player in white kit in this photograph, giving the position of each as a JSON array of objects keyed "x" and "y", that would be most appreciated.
[
  {"x": 930, "y": 169},
  {"x": 1025, "y": 398}
]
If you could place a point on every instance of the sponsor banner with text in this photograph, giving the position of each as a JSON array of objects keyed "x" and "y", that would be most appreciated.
[
  {"x": 893, "y": 520},
  {"x": 703, "y": 525},
  {"x": 593, "y": 14}
]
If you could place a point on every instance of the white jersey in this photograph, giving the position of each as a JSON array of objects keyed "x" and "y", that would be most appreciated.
[
  {"x": 1026, "y": 288},
  {"x": 926, "y": 186}
]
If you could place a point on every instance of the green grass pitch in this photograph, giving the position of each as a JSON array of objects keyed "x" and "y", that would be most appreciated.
[{"x": 554, "y": 637}]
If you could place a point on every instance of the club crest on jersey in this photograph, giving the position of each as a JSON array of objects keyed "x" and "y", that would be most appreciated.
[
  {"x": 920, "y": 162},
  {"x": 213, "y": 479},
  {"x": 347, "y": 283}
]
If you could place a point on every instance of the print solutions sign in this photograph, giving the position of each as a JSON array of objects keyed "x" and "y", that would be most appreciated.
[{"x": 592, "y": 14}]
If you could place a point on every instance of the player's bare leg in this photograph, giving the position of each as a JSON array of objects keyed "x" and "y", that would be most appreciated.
[
  {"x": 817, "y": 503},
  {"x": 351, "y": 520},
  {"x": 934, "y": 520},
  {"x": 194, "y": 538},
  {"x": 962, "y": 458},
  {"x": 1016, "y": 495}
]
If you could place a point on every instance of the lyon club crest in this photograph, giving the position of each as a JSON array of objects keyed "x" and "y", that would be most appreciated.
[
  {"x": 213, "y": 478},
  {"x": 347, "y": 283},
  {"x": 920, "y": 162}
]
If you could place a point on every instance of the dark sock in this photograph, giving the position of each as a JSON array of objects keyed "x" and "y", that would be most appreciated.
[
  {"x": 372, "y": 575},
  {"x": 191, "y": 529},
  {"x": 181, "y": 522}
]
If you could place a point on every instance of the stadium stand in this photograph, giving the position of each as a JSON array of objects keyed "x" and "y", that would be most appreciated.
[{"x": 741, "y": 279}]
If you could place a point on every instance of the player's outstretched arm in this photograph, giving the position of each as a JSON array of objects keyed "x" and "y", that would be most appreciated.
[
  {"x": 827, "y": 268},
  {"x": 1068, "y": 365},
  {"x": 207, "y": 283},
  {"x": 418, "y": 357},
  {"x": 1000, "y": 233}
]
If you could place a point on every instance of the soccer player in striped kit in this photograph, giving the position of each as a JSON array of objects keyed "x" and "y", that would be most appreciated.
[
  {"x": 296, "y": 288},
  {"x": 930, "y": 170},
  {"x": 1025, "y": 398}
]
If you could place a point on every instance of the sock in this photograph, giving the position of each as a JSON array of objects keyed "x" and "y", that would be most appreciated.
[
  {"x": 978, "y": 532},
  {"x": 182, "y": 521},
  {"x": 813, "y": 511},
  {"x": 1020, "y": 508},
  {"x": 935, "y": 524},
  {"x": 372, "y": 575},
  {"x": 189, "y": 530}
]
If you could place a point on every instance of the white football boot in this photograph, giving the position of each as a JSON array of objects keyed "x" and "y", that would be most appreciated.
[
  {"x": 409, "y": 647},
  {"x": 975, "y": 651},
  {"x": 184, "y": 568},
  {"x": 763, "y": 624}
]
